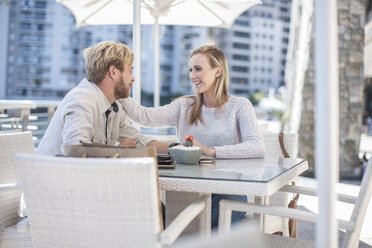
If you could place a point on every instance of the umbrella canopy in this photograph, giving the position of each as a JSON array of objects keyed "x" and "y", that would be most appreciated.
[{"x": 168, "y": 12}]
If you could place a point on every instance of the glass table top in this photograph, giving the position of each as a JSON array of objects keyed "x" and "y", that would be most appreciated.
[{"x": 254, "y": 170}]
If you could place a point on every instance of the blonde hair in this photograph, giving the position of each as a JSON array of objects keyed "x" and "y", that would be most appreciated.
[
  {"x": 100, "y": 57},
  {"x": 216, "y": 58}
]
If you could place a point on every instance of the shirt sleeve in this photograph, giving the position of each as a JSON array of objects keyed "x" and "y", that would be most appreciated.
[
  {"x": 77, "y": 123},
  {"x": 167, "y": 115},
  {"x": 127, "y": 130},
  {"x": 252, "y": 145}
]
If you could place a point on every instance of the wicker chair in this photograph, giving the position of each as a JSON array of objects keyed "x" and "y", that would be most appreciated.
[
  {"x": 271, "y": 224},
  {"x": 96, "y": 202},
  {"x": 242, "y": 236},
  {"x": 10, "y": 191},
  {"x": 353, "y": 226}
]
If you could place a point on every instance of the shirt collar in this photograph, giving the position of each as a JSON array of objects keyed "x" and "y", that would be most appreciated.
[
  {"x": 114, "y": 107},
  {"x": 102, "y": 98}
]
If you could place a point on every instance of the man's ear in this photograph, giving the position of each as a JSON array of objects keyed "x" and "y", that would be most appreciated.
[{"x": 112, "y": 71}]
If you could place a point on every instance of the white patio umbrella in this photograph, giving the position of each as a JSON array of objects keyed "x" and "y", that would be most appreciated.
[
  {"x": 170, "y": 12},
  {"x": 326, "y": 120}
]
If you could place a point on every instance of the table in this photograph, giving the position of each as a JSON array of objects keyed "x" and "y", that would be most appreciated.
[
  {"x": 252, "y": 177},
  {"x": 24, "y": 107}
]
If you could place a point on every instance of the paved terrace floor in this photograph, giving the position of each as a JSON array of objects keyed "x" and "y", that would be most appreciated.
[{"x": 343, "y": 210}]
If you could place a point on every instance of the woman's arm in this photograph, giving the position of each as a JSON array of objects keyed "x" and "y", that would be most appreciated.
[
  {"x": 167, "y": 115},
  {"x": 252, "y": 145}
]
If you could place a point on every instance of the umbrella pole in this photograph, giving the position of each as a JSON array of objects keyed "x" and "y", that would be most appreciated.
[
  {"x": 156, "y": 63},
  {"x": 136, "y": 40},
  {"x": 326, "y": 120}
]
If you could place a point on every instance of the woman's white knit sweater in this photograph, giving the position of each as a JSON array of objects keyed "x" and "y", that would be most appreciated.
[{"x": 231, "y": 129}]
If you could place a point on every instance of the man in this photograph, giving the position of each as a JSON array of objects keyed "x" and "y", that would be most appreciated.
[{"x": 89, "y": 112}]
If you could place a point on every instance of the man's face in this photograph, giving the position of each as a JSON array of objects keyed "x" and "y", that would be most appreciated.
[{"x": 125, "y": 82}]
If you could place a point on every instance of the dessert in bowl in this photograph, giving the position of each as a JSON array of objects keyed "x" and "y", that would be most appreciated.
[{"x": 187, "y": 153}]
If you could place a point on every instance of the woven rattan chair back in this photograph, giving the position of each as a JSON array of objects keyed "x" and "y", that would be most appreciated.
[
  {"x": 351, "y": 239},
  {"x": 10, "y": 144},
  {"x": 10, "y": 194},
  {"x": 272, "y": 145},
  {"x": 91, "y": 202},
  {"x": 273, "y": 224}
]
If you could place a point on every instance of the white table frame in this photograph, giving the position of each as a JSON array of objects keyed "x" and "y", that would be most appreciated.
[{"x": 181, "y": 191}]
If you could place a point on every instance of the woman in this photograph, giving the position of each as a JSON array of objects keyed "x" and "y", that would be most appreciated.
[{"x": 224, "y": 126}]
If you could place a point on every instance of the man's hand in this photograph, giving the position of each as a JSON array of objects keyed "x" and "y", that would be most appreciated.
[{"x": 128, "y": 142}]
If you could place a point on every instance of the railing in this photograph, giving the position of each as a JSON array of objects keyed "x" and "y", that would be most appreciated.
[
  {"x": 34, "y": 116},
  {"x": 21, "y": 115},
  {"x": 18, "y": 115}
]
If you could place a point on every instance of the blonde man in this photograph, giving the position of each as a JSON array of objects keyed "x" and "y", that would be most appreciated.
[{"x": 89, "y": 112}]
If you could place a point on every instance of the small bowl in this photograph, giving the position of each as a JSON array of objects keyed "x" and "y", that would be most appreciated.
[{"x": 185, "y": 155}]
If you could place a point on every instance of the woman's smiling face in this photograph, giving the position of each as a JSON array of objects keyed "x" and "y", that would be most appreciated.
[{"x": 202, "y": 75}]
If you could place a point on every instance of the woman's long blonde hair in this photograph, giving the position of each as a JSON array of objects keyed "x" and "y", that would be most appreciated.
[{"x": 216, "y": 58}]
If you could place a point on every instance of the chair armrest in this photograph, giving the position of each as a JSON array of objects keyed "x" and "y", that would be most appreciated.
[
  {"x": 176, "y": 227},
  {"x": 313, "y": 192},
  {"x": 10, "y": 186},
  {"x": 226, "y": 206}
]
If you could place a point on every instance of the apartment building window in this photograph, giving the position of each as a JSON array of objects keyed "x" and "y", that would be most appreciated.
[
  {"x": 285, "y": 18},
  {"x": 284, "y": 51},
  {"x": 241, "y": 92},
  {"x": 242, "y": 23},
  {"x": 283, "y": 9},
  {"x": 240, "y": 69},
  {"x": 166, "y": 67},
  {"x": 241, "y": 57},
  {"x": 168, "y": 47},
  {"x": 40, "y": 16},
  {"x": 25, "y": 16},
  {"x": 24, "y": 48},
  {"x": 24, "y": 37},
  {"x": 242, "y": 34},
  {"x": 40, "y": 5},
  {"x": 242, "y": 46},
  {"x": 239, "y": 80},
  {"x": 24, "y": 60},
  {"x": 25, "y": 26},
  {"x": 39, "y": 27}
]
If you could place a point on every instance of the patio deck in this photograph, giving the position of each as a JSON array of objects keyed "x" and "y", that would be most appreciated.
[{"x": 343, "y": 210}]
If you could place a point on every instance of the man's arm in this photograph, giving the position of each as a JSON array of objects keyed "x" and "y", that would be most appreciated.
[
  {"x": 128, "y": 130},
  {"x": 160, "y": 146}
]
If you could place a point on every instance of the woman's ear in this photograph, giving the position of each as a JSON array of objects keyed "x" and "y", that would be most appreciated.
[{"x": 218, "y": 71}]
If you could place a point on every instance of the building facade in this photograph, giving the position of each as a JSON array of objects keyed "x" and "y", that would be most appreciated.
[{"x": 41, "y": 51}]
